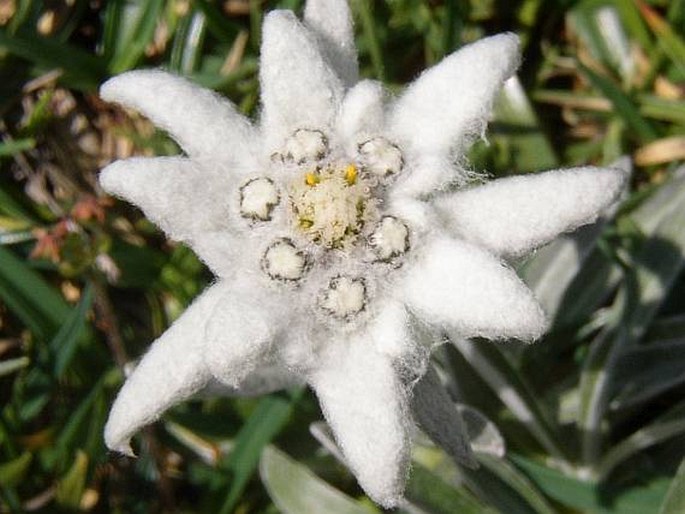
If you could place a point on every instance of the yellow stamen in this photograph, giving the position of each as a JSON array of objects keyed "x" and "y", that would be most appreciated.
[
  {"x": 311, "y": 179},
  {"x": 351, "y": 174}
]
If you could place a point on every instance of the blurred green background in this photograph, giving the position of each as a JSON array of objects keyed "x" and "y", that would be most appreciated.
[{"x": 592, "y": 417}]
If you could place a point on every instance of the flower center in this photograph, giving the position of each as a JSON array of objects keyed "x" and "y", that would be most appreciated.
[
  {"x": 332, "y": 204},
  {"x": 344, "y": 297}
]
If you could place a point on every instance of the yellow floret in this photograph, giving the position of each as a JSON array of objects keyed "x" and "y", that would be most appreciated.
[
  {"x": 311, "y": 178},
  {"x": 351, "y": 174}
]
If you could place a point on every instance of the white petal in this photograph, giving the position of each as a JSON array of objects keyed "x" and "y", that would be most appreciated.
[
  {"x": 173, "y": 192},
  {"x": 461, "y": 286},
  {"x": 397, "y": 335},
  {"x": 361, "y": 113},
  {"x": 220, "y": 251},
  {"x": 439, "y": 418},
  {"x": 453, "y": 99},
  {"x": 513, "y": 216},
  {"x": 171, "y": 371},
  {"x": 203, "y": 123},
  {"x": 331, "y": 21},
  {"x": 299, "y": 89},
  {"x": 263, "y": 380},
  {"x": 365, "y": 405},
  {"x": 448, "y": 106},
  {"x": 240, "y": 332}
]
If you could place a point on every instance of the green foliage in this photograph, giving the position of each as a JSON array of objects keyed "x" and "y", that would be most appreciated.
[{"x": 592, "y": 416}]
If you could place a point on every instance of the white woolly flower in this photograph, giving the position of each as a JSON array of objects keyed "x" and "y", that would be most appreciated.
[{"x": 344, "y": 237}]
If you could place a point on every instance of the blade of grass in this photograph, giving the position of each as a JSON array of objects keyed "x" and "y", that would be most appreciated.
[
  {"x": 64, "y": 344},
  {"x": 623, "y": 105},
  {"x": 600, "y": 32},
  {"x": 13, "y": 209},
  {"x": 72, "y": 432},
  {"x": 9, "y": 366},
  {"x": 138, "y": 22},
  {"x": 27, "y": 294},
  {"x": 365, "y": 10},
  {"x": 667, "y": 38},
  {"x": 10, "y": 148},
  {"x": 113, "y": 14},
  {"x": 634, "y": 23},
  {"x": 70, "y": 487},
  {"x": 82, "y": 70},
  {"x": 14, "y": 471},
  {"x": 187, "y": 46},
  {"x": 219, "y": 25},
  {"x": 452, "y": 26},
  {"x": 270, "y": 416}
]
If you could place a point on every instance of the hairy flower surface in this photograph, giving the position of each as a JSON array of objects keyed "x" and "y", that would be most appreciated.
[{"x": 344, "y": 232}]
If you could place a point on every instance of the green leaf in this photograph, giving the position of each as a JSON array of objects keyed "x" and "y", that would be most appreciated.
[
  {"x": 664, "y": 427},
  {"x": 595, "y": 380},
  {"x": 520, "y": 483},
  {"x": 13, "y": 472},
  {"x": 553, "y": 268},
  {"x": 588, "y": 497},
  {"x": 500, "y": 375},
  {"x": 484, "y": 436},
  {"x": 268, "y": 419},
  {"x": 647, "y": 371},
  {"x": 658, "y": 262},
  {"x": 294, "y": 489},
  {"x": 29, "y": 297},
  {"x": 64, "y": 344},
  {"x": 71, "y": 486},
  {"x": 517, "y": 125},
  {"x": 675, "y": 499},
  {"x": 430, "y": 492}
]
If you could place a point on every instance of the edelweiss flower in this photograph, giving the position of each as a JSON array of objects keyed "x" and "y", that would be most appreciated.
[{"x": 343, "y": 232}]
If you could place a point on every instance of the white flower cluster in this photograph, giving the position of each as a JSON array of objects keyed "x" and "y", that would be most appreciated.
[{"x": 343, "y": 232}]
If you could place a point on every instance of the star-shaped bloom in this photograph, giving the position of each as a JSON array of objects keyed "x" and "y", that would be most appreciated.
[{"x": 344, "y": 231}]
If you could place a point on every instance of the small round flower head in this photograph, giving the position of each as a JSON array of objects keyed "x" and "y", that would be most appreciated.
[
  {"x": 258, "y": 197},
  {"x": 337, "y": 248}
]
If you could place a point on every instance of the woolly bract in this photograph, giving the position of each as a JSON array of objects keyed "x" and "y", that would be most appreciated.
[{"x": 345, "y": 235}]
